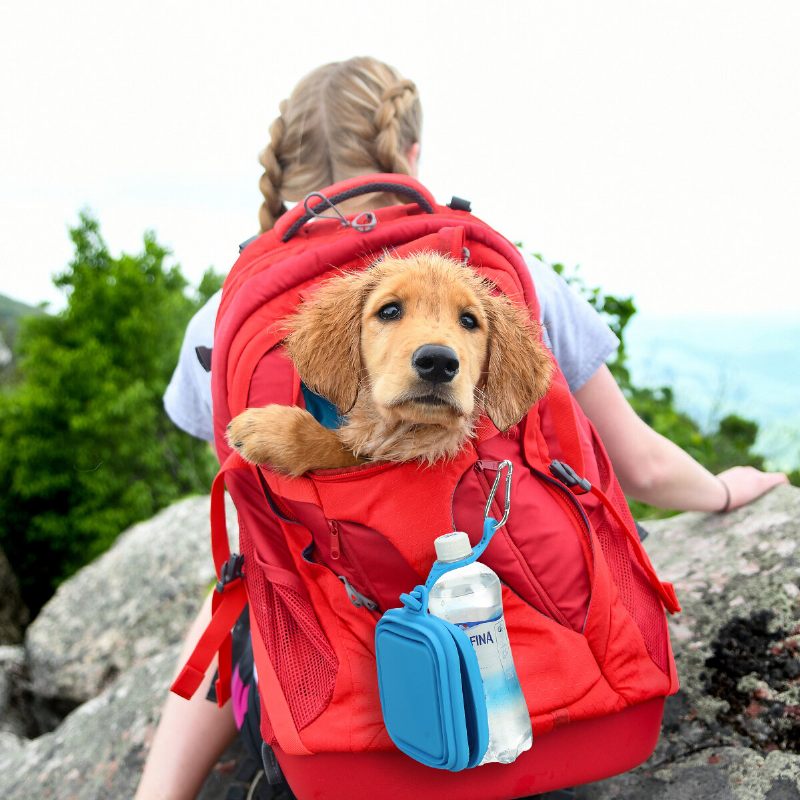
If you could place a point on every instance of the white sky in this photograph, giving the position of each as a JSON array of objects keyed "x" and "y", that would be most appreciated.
[{"x": 656, "y": 144}]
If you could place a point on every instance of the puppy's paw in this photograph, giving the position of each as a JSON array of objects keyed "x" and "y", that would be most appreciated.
[{"x": 272, "y": 436}]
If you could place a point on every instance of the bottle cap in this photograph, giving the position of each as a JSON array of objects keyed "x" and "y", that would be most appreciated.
[{"x": 452, "y": 546}]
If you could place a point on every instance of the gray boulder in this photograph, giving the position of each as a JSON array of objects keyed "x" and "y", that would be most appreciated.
[
  {"x": 130, "y": 604},
  {"x": 12, "y": 670},
  {"x": 730, "y": 733},
  {"x": 98, "y": 751},
  {"x": 13, "y": 614},
  {"x": 733, "y": 731}
]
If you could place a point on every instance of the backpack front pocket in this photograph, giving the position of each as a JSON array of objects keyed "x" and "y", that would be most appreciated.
[{"x": 544, "y": 552}]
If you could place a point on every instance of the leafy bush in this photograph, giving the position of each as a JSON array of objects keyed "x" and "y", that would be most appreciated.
[{"x": 85, "y": 446}]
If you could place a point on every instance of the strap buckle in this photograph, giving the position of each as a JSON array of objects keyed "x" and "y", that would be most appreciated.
[
  {"x": 230, "y": 571},
  {"x": 568, "y": 476},
  {"x": 356, "y": 598}
]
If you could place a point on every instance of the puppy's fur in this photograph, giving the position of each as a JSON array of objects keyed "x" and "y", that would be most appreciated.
[{"x": 347, "y": 351}]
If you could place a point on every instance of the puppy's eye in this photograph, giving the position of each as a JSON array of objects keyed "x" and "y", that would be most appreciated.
[
  {"x": 390, "y": 311},
  {"x": 468, "y": 321}
]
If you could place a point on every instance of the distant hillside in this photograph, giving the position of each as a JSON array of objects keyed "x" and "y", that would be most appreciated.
[
  {"x": 11, "y": 312},
  {"x": 747, "y": 366}
]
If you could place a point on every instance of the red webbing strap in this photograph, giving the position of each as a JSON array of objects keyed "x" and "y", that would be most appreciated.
[
  {"x": 566, "y": 425},
  {"x": 665, "y": 590},
  {"x": 227, "y": 603}
]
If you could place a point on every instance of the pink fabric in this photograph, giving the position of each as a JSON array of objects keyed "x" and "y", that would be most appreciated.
[{"x": 239, "y": 694}]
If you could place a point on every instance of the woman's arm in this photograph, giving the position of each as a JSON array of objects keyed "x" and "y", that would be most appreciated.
[{"x": 654, "y": 470}]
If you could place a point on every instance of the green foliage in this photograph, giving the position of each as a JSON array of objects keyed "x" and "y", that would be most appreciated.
[
  {"x": 85, "y": 446},
  {"x": 729, "y": 445}
]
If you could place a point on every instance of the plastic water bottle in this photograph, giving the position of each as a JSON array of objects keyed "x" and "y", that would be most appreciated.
[{"x": 471, "y": 598}]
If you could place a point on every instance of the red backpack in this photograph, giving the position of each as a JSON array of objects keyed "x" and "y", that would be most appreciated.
[{"x": 323, "y": 555}]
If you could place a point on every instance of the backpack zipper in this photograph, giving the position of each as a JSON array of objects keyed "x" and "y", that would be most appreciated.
[
  {"x": 572, "y": 503},
  {"x": 333, "y": 528}
]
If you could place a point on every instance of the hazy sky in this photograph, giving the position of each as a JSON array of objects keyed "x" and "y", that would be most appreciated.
[{"x": 656, "y": 144}]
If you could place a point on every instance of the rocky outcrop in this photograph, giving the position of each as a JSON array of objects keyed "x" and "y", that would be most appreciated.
[
  {"x": 98, "y": 751},
  {"x": 132, "y": 603},
  {"x": 730, "y": 733},
  {"x": 733, "y": 731},
  {"x": 13, "y": 614},
  {"x": 12, "y": 671}
]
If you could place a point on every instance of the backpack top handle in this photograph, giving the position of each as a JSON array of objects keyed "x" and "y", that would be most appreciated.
[{"x": 292, "y": 221}]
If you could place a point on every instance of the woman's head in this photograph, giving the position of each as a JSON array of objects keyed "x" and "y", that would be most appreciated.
[{"x": 343, "y": 119}]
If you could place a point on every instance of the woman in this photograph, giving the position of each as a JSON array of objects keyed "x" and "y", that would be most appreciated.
[{"x": 359, "y": 117}]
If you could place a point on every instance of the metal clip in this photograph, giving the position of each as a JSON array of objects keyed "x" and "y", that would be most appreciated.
[{"x": 509, "y": 467}]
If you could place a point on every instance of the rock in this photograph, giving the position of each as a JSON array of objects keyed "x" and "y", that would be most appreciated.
[
  {"x": 13, "y": 614},
  {"x": 724, "y": 773},
  {"x": 130, "y": 604},
  {"x": 733, "y": 731},
  {"x": 12, "y": 668},
  {"x": 98, "y": 751}
]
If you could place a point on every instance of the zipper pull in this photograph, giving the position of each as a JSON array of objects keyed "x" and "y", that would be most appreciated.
[
  {"x": 569, "y": 477},
  {"x": 333, "y": 527}
]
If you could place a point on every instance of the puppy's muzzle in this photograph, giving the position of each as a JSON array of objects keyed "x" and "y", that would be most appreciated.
[{"x": 435, "y": 363}]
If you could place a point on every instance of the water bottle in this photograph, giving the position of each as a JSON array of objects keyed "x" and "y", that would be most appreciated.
[{"x": 471, "y": 598}]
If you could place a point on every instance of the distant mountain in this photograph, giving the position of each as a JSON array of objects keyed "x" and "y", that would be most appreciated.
[{"x": 718, "y": 366}]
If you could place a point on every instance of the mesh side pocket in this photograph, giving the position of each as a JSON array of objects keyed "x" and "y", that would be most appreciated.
[
  {"x": 302, "y": 657},
  {"x": 649, "y": 616},
  {"x": 618, "y": 557},
  {"x": 635, "y": 591},
  {"x": 646, "y": 608}
]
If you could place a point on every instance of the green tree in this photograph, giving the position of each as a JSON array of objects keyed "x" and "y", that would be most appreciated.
[{"x": 85, "y": 446}]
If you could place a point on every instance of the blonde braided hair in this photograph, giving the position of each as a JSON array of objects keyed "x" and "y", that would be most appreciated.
[
  {"x": 272, "y": 178},
  {"x": 342, "y": 120},
  {"x": 396, "y": 102}
]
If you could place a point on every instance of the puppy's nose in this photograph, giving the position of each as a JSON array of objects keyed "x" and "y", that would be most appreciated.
[{"x": 435, "y": 363}]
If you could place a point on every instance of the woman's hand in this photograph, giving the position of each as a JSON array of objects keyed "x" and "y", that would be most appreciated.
[{"x": 745, "y": 484}]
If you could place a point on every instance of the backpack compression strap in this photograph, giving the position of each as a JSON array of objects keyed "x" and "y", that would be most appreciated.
[{"x": 227, "y": 603}]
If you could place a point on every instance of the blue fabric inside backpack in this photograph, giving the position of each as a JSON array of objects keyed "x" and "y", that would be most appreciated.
[
  {"x": 431, "y": 689},
  {"x": 321, "y": 409}
]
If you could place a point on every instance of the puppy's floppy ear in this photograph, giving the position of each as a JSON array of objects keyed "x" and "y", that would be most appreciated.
[
  {"x": 325, "y": 339},
  {"x": 519, "y": 365}
]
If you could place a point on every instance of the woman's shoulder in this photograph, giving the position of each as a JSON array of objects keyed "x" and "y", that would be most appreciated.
[
  {"x": 578, "y": 336},
  {"x": 200, "y": 330}
]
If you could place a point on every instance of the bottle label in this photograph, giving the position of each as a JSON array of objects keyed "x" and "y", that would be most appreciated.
[{"x": 489, "y": 639}]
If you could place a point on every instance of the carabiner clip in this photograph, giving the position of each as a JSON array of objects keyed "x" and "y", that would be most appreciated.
[
  {"x": 363, "y": 222},
  {"x": 325, "y": 204},
  {"x": 509, "y": 467}
]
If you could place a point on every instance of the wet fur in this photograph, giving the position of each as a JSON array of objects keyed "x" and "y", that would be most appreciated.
[{"x": 343, "y": 352}]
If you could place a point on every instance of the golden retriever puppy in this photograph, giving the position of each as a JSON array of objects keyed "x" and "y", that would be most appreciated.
[{"x": 412, "y": 350}]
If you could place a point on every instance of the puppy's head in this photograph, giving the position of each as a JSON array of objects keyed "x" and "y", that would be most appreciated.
[{"x": 425, "y": 339}]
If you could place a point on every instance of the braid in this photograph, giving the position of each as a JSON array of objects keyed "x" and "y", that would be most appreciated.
[
  {"x": 343, "y": 119},
  {"x": 271, "y": 181},
  {"x": 395, "y": 104}
]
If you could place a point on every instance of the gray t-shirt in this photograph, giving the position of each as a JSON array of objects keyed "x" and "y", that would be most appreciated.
[{"x": 578, "y": 337}]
